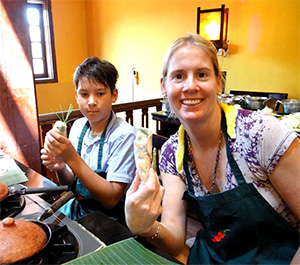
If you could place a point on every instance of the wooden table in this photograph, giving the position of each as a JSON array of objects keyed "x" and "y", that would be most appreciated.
[{"x": 35, "y": 180}]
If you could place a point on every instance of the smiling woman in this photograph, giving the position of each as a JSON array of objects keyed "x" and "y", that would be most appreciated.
[
  {"x": 219, "y": 155},
  {"x": 190, "y": 84}
]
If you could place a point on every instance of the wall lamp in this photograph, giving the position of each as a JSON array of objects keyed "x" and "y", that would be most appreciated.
[{"x": 213, "y": 25}]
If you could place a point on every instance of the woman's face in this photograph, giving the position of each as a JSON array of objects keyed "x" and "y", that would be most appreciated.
[{"x": 191, "y": 85}]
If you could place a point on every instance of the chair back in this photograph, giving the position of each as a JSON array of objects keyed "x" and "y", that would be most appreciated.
[{"x": 157, "y": 142}]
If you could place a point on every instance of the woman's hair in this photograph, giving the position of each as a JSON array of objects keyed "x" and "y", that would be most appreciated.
[
  {"x": 196, "y": 40},
  {"x": 97, "y": 70}
]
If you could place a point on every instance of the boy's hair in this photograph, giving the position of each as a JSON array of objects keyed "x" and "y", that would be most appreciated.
[{"x": 97, "y": 70}]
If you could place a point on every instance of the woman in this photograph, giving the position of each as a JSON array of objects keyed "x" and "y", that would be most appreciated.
[{"x": 237, "y": 171}]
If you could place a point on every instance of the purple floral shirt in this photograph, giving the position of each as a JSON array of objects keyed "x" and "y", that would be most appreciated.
[{"x": 260, "y": 142}]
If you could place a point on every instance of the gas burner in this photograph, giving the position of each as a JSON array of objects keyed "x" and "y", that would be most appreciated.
[
  {"x": 62, "y": 247},
  {"x": 11, "y": 206},
  {"x": 68, "y": 240}
]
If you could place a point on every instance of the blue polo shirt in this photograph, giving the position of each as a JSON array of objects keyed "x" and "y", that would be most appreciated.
[{"x": 118, "y": 149}]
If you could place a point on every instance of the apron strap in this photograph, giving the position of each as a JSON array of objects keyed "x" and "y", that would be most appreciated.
[
  {"x": 99, "y": 171},
  {"x": 185, "y": 164},
  {"x": 80, "y": 141},
  {"x": 234, "y": 167},
  {"x": 101, "y": 145}
]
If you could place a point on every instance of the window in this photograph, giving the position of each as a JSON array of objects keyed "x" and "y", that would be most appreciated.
[{"x": 39, "y": 19}]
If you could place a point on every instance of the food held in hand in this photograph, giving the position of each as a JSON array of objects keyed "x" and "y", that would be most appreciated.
[
  {"x": 143, "y": 152},
  {"x": 60, "y": 126}
]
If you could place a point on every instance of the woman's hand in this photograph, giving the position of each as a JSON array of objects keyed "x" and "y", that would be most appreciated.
[
  {"x": 59, "y": 147},
  {"x": 51, "y": 162},
  {"x": 143, "y": 204}
]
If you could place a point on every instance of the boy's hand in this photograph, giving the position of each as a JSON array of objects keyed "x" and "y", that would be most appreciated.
[
  {"x": 50, "y": 162},
  {"x": 59, "y": 147}
]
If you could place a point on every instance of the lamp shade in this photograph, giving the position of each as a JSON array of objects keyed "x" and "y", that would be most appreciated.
[{"x": 213, "y": 24}]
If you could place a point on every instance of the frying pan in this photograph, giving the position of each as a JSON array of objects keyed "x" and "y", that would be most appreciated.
[
  {"x": 48, "y": 233},
  {"x": 54, "y": 207},
  {"x": 21, "y": 191}
]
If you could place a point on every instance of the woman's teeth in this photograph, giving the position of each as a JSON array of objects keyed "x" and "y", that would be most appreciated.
[{"x": 191, "y": 101}]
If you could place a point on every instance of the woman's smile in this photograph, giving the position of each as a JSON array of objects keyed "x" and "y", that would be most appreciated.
[{"x": 191, "y": 101}]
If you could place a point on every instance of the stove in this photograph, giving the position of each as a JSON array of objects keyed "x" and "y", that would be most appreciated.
[
  {"x": 11, "y": 206},
  {"x": 69, "y": 239}
]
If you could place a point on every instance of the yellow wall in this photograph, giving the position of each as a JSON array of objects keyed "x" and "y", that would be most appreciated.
[
  {"x": 264, "y": 38},
  {"x": 69, "y": 21}
]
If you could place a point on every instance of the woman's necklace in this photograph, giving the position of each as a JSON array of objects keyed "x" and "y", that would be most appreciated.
[{"x": 213, "y": 182}]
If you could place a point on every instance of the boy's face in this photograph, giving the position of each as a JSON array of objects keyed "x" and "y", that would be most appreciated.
[{"x": 95, "y": 100}]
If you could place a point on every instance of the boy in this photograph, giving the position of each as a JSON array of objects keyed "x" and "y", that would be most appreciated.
[{"x": 98, "y": 157}]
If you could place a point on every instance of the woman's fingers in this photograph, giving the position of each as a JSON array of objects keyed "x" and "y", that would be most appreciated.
[
  {"x": 145, "y": 199},
  {"x": 152, "y": 186},
  {"x": 134, "y": 185}
]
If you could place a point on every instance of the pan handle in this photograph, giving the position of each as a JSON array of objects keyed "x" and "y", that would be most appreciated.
[
  {"x": 24, "y": 190},
  {"x": 277, "y": 104},
  {"x": 47, "y": 189},
  {"x": 56, "y": 205}
]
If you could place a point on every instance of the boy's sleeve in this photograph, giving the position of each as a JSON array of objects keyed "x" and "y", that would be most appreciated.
[{"x": 121, "y": 163}]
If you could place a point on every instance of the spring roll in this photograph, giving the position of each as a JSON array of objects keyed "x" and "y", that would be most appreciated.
[
  {"x": 60, "y": 127},
  {"x": 143, "y": 152}
]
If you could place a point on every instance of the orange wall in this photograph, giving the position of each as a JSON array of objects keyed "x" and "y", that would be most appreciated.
[
  {"x": 70, "y": 36},
  {"x": 264, "y": 38}
]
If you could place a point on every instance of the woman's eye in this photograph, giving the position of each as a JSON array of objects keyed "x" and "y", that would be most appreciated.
[
  {"x": 178, "y": 76},
  {"x": 202, "y": 75}
]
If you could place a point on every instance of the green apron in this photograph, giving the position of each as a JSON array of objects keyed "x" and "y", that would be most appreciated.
[
  {"x": 239, "y": 225},
  {"x": 84, "y": 202}
]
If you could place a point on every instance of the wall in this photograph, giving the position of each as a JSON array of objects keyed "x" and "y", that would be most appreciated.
[
  {"x": 264, "y": 38},
  {"x": 70, "y": 36}
]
